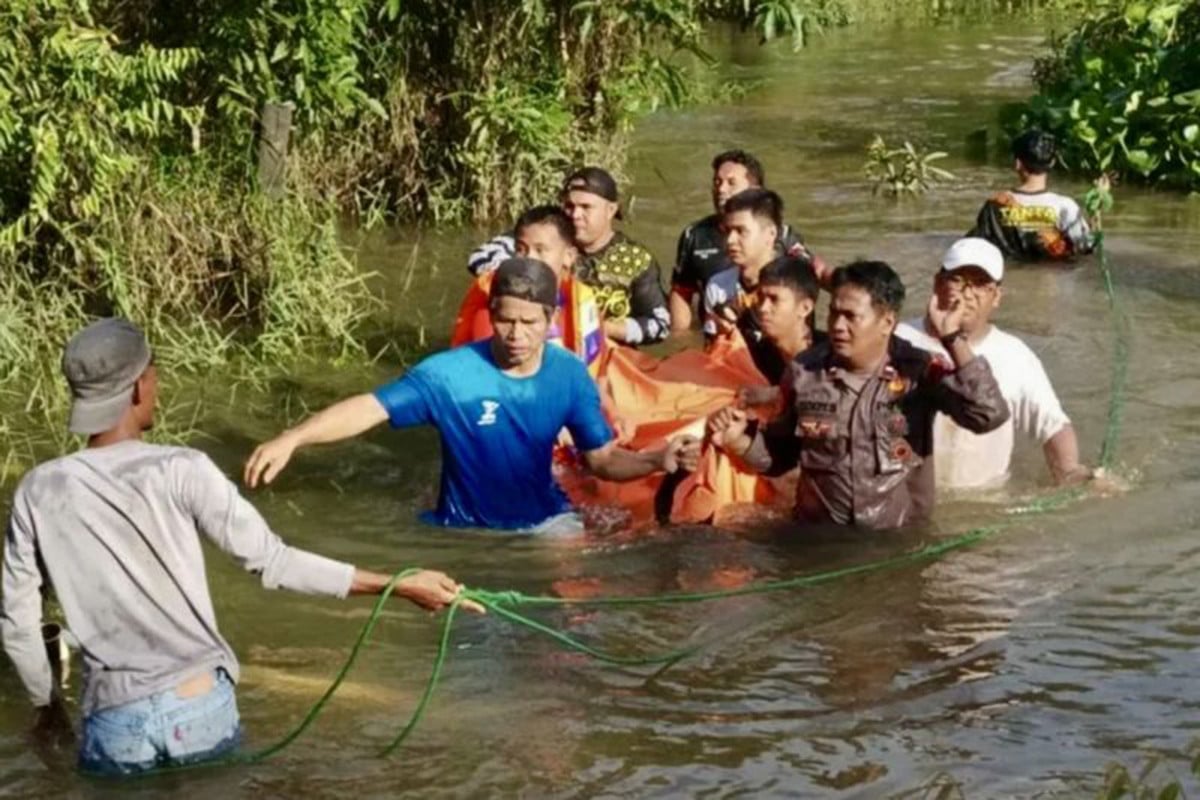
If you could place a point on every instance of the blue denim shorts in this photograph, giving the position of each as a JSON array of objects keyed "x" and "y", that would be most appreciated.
[{"x": 162, "y": 730}]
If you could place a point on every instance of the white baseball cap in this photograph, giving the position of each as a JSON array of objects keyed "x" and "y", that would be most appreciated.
[{"x": 975, "y": 252}]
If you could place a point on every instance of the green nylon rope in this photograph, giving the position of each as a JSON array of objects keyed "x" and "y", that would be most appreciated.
[{"x": 502, "y": 603}]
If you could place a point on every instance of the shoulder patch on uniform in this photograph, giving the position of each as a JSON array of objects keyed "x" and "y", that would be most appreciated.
[{"x": 938, "y": 367}]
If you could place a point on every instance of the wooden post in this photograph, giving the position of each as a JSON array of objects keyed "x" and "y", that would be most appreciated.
[{"x": 273, "y": 135}]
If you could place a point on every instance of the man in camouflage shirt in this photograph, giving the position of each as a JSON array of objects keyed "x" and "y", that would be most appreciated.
[{"x": 623, "y": 273}]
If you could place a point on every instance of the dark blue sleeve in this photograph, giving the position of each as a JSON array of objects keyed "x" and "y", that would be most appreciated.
[
  {"x": 585, "y": 421},
  {"x": 407, "y": 400}
]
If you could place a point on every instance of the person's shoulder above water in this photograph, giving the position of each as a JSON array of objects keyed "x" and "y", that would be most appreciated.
[
  {"x": 723, "y": 286},
  {"x": 123, "y": 458},
  {"x": 563, "y": 364},
  {"x": 487, "y": 256},
  {"x": 1002, "y": 344},
  {"x": 913, "y": 331},
  {"x": 914, "y": 361},
  {"x": 453, "y": 361},
  {"x": 705, "y": 228},
  {"x": 816, "y": 357},
  {"x": 622, "y": 247}
]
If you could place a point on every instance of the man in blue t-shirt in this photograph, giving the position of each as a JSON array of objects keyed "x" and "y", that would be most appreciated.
[{"x": 499, "y": 406}]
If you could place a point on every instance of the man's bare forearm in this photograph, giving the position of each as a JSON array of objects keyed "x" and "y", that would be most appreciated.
[
  {"x": 342, "y": 420},
  {"x": 619, "y": 464},
  {"x": 1062, "y": 457},
  {"x": 681, "y": 312}
]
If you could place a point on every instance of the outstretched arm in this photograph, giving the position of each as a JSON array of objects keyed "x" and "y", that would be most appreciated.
[
  {"x": 770, "y": 449},
  {"x": 340, "y": 421},
  {"x": 230, "y": 522},
  {"x": 429, "y": 588},
  {"x": 615, "y": 463}
]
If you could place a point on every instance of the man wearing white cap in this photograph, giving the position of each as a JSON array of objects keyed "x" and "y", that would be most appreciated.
[
  {"x": 116, "y": 529},
  {"x": 972, "y": 272}
]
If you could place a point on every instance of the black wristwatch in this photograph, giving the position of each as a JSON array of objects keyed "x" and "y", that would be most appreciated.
[{"x": 950, "y": 338}]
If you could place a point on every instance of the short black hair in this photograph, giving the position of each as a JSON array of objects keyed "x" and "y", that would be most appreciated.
[
  {"x": 762, "y": 203},
  {"x": 754, "y": 167},
  {"x": 547, "y": 215},
  {"x": 790, "y": 273},
  {"x": 876, "y": 278},
  {"x": 1036, "y": 150}
]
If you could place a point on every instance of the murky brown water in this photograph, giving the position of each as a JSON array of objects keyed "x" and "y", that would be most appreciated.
[{"x": 1018, "y": 668}]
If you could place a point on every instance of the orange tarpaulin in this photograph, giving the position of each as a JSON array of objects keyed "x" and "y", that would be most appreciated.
[{"x": 650, "y": 400}]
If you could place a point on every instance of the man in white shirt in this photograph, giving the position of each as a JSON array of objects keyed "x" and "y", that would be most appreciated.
[{"x": 971, "y": 273}]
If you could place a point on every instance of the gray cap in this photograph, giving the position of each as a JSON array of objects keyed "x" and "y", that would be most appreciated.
[{"x": 101, "y": 364}]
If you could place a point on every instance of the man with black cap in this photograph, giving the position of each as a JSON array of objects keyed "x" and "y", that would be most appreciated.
[
  {"x": 971, "y": 274},
  {"x": 1031, "y": 222},
  {"x": 116, "y": 528},
  {"x": 623, "y": 273},
  {"x": 499, "y": 406}
]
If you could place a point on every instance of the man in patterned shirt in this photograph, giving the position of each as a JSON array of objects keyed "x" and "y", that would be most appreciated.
[{"x": 623, "y": 273}]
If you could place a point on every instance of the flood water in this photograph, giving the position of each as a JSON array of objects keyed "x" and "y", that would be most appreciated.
[{"x": 1018, "y": 668}]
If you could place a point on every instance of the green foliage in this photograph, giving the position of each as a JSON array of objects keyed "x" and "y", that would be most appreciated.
[
  {"x": 1121, "y": 93},
  {"x": 70, "y": 104},
  {"x": 127, "y": 141},
  {"x": 797, "y": 19},
  {"x": 902, "y": 170}
]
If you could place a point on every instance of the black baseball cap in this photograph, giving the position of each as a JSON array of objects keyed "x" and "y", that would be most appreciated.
[
  {"x": 525, "y": 279},
  {"x": 593, "y": 180}
]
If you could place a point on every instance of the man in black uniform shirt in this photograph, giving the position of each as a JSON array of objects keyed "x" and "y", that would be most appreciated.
[{"x": 701, "y": 251}]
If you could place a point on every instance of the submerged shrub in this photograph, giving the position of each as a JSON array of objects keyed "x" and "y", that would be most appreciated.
[{"x": 902, "y": 170}]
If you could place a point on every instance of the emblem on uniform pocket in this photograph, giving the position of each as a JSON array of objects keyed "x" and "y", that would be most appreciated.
[{"x": 815, "y": 428}]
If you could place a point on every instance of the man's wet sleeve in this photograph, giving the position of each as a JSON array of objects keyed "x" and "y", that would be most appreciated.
[
  {"x": 775, "y": 448},
  {"x": 407, "y": 400},
  {"x": 21, "y": 620},
  {"x": 588, "y": 428},
  {"x": 230, "y": 522},
  {"x": 682, "y": 280},
  {"x": 649, "y": 319},
  {"x": 1075, "y": 227},
  {"x": 970, "y": 396}
]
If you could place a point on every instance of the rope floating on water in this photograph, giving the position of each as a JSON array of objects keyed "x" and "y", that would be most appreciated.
[{"x": 502, "y": 604}]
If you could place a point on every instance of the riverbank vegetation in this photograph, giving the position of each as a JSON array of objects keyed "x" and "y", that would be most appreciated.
[
  {"x": 129, "y": 133},
  {"x": 1121, "y": 91}
]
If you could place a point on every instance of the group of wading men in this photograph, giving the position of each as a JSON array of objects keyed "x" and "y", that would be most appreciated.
[{"x": 866, "y": 409}]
